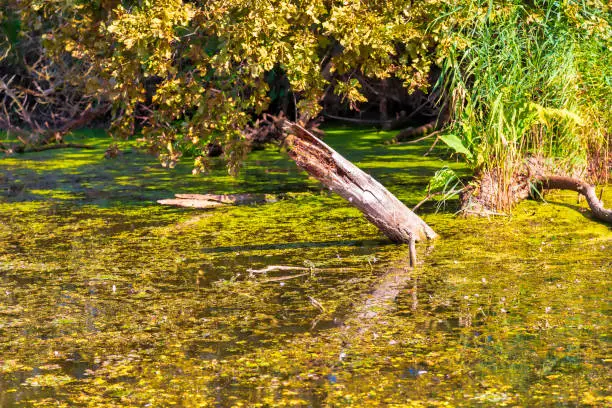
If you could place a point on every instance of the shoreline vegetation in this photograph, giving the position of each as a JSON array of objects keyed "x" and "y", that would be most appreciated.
[{"x": 503, "y": 84}]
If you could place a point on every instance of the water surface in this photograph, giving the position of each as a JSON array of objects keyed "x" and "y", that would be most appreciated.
[{"x": 108, "y": 299}]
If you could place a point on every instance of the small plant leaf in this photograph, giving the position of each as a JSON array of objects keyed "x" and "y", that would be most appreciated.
[
  {"x": 441, "y": 180},
  {"x": 455, "y": 143}
]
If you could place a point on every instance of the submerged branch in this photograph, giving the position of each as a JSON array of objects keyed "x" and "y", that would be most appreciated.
[
  {"x": 284, "y": 278},
  {"x": 272, "y": 268}
]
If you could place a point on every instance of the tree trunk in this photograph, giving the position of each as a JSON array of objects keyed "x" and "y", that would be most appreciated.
[{"x": 378, "y": 205}]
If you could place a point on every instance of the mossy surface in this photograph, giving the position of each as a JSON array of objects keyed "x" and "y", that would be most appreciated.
[{"x": 108, "y": 299}]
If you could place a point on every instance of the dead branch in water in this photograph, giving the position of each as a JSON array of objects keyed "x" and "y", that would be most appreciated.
[
  {"x": 273, "y": 268},
  {"x": 588, "y": 191},
  {"x": 215, "y": 200},
  {"x": 284, "y": 278}
]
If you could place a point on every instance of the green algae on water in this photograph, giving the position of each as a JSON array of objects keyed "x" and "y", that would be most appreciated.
[{"x": 108, "y": 299}]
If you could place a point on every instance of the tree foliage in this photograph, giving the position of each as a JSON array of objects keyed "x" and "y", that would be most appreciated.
[
  {"x": 194, "y": 72},
  {"x": 188, "y": 73}
]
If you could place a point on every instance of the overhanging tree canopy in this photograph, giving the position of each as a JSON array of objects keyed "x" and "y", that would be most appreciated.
[
  {"x": 190, "y": 73},
  {"x": 194, "y": 72}
]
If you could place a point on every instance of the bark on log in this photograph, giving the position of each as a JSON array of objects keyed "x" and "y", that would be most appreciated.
[
  {"x": 588, "y": 191},
  {"x": 378, "y": 205}
]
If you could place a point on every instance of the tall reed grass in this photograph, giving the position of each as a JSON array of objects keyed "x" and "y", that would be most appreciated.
[{"x": 530, "y": 79}]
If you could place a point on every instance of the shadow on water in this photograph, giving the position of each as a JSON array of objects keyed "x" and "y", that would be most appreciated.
[
  {"x": 585, "y": 212},
  {"x": 299, "y": 245},
  {"x": 135, "y": 177}
]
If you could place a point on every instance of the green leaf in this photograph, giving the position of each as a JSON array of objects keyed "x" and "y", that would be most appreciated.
[
  {"x": 456, "y": 144},
  {"x": 441, "y": 180}
]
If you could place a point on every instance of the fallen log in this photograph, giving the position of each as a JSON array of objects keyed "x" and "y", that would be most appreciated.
[
  {"x": 189, "y": 203},
  {"x": 377, "y": 204},
  {"x": 390, "y": 124},
  {"x": 320, "y": 161},
  {"x": 490, "y": 194},
  {"x": 588, "y": 191},
  {"x": 228, "y": 198},
  {"x": 215, "y": 200},
  {"x": 43, "y": 148},
  {"x": 423, "y": 130}
]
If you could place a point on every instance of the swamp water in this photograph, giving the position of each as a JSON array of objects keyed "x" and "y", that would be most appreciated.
[{"x": 108, "y": 299}]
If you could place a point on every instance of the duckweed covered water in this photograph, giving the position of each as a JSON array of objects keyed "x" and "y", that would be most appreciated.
[{"x": 108, "y": 299}]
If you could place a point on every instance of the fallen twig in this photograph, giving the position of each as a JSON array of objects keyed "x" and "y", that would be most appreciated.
[
  {"x": 428, "y": 197},
  {"x": 317, "y": 304},
  {"x": 432, "y": 145}
]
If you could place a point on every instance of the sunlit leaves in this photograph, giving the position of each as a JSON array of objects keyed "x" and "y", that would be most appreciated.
[
  {"x": 179, "y": 69},
  {"x": 351, "y": 91},
  {"x": 188, "y": 73}
]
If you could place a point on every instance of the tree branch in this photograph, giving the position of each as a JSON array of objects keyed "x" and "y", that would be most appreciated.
[{"x": 588, "y": 191}]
